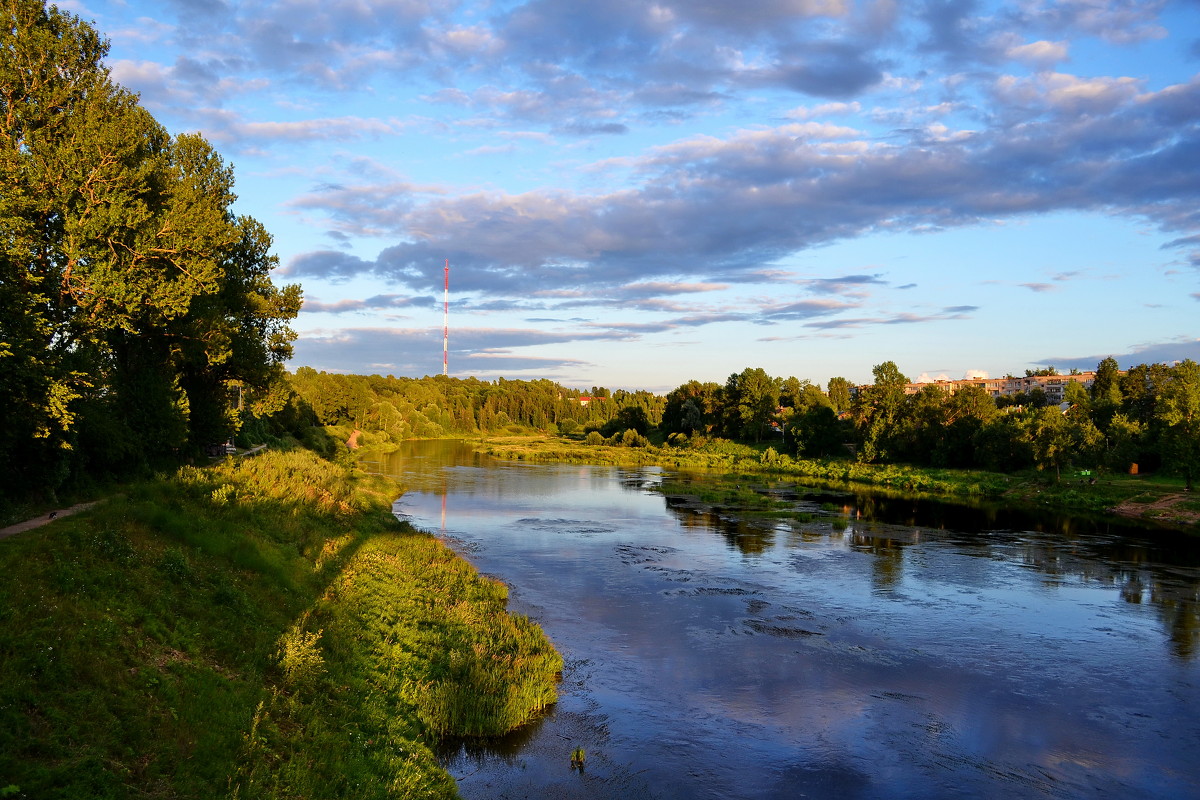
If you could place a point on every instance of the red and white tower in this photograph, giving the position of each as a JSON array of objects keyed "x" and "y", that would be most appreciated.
[{"x": 446, "y": 323}]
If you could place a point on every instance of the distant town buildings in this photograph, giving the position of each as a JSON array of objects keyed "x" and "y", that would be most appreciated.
[{"x": 1054, "y": 386}]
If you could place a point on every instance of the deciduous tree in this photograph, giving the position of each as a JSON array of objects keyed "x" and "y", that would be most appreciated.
[
  {"x": 131, "y": 299},
  {"x": 1179, "y": 413}
]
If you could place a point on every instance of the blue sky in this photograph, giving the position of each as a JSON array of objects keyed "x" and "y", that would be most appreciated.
[{"x": 637, "y": 194}]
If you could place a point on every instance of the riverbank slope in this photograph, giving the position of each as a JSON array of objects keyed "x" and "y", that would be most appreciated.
[
  {"x": 1154, "y": 499},
  {"x": 262, "y": 628}
]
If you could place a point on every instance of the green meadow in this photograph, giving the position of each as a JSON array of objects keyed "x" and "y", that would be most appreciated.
[{"x": 264, "y": 628}]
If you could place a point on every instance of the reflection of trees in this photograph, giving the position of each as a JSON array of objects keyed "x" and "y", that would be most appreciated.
[
  {"x": 887, "y": 566},
  {"x": 1163, "y": 570},
  {"x": 751, "y": 538},
  {"x": 1160, "y": 567},
  {"x": 1178, "y": 607}
]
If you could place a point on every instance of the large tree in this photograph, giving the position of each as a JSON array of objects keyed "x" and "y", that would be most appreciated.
[
  {"x": 877, "y": 409},
  {"x": 751, "y": 401},
  {"x": 1179, "y": 414},
  {"x": 839, "y": 394},
  {"x": 132, "y": 301},
  {"x": 691, "y": 408}
]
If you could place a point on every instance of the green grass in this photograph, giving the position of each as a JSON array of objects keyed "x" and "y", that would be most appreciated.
[{"x": 264, "y": 628}]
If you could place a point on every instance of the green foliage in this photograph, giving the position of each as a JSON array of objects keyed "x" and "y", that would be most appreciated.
[
  {"x": 876, "y": 411},
  {"x": 1051, "y": 439},
  {"x": 131, "y": 300},
  {"x": 300, "y": 657},
  {"x": 439, "y": 641},
  {"x": 1178, "y": 413},
  {"x": 692, "y": 408},
  {"x": 816, "y": 432},
  {"x": 838, "y": 390},
  {"x": 632, "y": 438},
  {"x": 1126, "y": 423},
  {"x": 393, "y": 409},
  {"x": 628, "y": 418},
  {"x": 751, "y": 400}
]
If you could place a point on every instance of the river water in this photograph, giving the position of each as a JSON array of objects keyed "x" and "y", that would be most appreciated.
[{"x": 883, "y": 649}]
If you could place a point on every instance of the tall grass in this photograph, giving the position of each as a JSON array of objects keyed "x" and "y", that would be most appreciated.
[
  {"x": 264, "y": 628},
  {"x": 439, "y": 638}
]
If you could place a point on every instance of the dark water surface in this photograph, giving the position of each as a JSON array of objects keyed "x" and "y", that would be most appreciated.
[{"x": 890, "y": 649}]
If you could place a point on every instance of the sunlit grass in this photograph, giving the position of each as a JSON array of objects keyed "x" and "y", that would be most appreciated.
[{"x": 264, "y": 628}]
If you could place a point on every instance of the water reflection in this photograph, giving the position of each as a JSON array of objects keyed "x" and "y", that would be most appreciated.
[
  {"x": 1140, "y": 564},
  {"x": 871, "y": 647}
]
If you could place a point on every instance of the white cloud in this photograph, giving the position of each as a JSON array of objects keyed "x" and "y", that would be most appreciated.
[
  {"x": 1041, "y": 54},
  {"x": 1068, "y": 93}
]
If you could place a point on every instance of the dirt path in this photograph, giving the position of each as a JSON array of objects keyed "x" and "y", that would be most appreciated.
[
  {"x": 45, "y": 519},
  {"x": 1165, "y": 509}
]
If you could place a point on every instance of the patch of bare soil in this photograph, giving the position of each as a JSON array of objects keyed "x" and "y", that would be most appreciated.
[{"x": 1173, "y": 509}]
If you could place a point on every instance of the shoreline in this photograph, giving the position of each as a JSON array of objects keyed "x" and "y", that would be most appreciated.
[{"x": 1148, "y": 500}]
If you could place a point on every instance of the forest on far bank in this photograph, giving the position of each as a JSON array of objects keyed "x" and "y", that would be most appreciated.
[{"x": 1148, "y": 415}]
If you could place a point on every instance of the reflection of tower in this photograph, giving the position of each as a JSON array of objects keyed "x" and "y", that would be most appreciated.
[
  {"x": 445, "y": 491},
  {"x": 446, "y": 323}
]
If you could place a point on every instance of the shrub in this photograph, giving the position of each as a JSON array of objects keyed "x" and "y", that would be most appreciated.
[
  {"x": 224, "y": 494},
  {"x": 631, "y": 438},
  {"x": 594, "y": 438},
  {"x": 300, "y": 657}
]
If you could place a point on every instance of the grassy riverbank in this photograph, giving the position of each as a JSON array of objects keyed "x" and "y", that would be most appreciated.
[
  {"x": 1159, "y": 499},
  {"x": 261, "y": 629}
]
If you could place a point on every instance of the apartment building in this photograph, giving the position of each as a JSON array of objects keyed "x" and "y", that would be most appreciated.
[{"x": 1054, "y": 386}]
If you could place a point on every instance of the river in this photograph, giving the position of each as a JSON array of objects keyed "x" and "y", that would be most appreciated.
[{"x": 882, "y": 649}]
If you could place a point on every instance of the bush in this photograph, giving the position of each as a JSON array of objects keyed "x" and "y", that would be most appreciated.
[
  {"x": 631, "y": 438},
  {"x": 300, "y": 658},
  {"x": 594, "y": 439}
]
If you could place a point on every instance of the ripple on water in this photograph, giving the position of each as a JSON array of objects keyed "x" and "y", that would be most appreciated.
[{"x": 564, "y": 527}]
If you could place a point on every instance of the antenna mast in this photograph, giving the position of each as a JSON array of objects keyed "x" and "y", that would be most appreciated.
[{"x": 446, "y": 323}]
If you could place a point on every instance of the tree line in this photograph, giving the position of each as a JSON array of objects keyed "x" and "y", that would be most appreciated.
[
  {"x": 138, "y": 320},
  {"x": 398, "y": 408},
  {"x": 1149, "y": 415}
]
